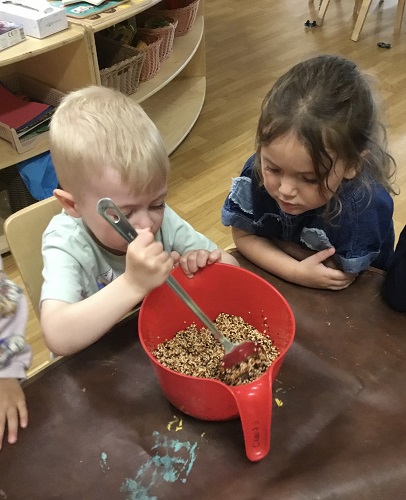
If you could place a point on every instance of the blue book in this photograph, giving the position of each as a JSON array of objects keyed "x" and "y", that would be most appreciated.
[{"x": 82, "y": 10}]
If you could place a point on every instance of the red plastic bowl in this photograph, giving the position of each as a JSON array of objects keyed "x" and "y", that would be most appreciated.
[{"x": 232, "y": 290}]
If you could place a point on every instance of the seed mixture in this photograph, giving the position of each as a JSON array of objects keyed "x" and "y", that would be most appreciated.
[{"x": 199, "y": 354}]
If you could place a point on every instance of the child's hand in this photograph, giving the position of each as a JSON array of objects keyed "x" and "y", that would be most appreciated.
[
  {"x": 313, "y": 272},
  {"x": 12, "y": 408},
  {"x": 194, "y": 260},
  {"x": 176, "y": 258},
  {"x": 147, "y": 264}
]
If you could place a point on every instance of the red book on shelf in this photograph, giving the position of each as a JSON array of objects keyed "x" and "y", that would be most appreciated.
[{"x": 16, "y": 112}]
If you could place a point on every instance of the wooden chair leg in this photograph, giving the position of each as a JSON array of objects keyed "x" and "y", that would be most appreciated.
[
  {"x": 399, "y": 14},
  {"x": 322, "y": 12},
  {"x": 363, "y": 11}
]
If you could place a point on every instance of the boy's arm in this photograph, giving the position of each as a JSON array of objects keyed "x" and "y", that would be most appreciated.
[
  {"x": 68, "y": 328},
  {"x": 190, "y": 249},
  {"x": 310, "y": 271}
]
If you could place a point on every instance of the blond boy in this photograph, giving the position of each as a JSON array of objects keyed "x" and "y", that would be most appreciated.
[{"x": 104, "y": 145}]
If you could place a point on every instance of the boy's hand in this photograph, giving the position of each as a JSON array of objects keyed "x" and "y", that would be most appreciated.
[
  {"x": 194, "y": 260},
  {"x": 12, "y": 409},
  {"x": 176, "y": 258},
  {"x": 314, "y": 273},
  {"x": 147, "y": 264}
]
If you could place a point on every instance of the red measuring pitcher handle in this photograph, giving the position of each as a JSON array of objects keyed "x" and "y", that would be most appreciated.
[{"x": 254, "y": 402}]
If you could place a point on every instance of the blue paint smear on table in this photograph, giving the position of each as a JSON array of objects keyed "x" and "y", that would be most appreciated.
[
  {"x": 103, "y": 462},
  {"x": 175, "y": 464}
]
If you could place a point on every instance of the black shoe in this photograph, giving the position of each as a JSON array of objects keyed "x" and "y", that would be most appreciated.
[{"x": 384, "y": 45}]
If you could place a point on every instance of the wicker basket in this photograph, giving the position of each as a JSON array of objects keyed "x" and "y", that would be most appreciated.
[
  {"x": 120, "y": 65},
  {"x": 166, "y": 33},
  {"x": 152, "y": 62},
  {"x": 186, "y": 16}
]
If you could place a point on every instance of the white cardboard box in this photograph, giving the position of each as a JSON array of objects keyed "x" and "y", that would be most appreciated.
[
  {"x": 10, "y": 34},
  {"x": 36, "y": 23}
]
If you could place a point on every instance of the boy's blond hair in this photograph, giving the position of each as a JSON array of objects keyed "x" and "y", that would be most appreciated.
[{"x": 96, "y": 127}]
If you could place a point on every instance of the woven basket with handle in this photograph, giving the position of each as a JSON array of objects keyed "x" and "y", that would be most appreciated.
[
  {"x": 167, "y": 35},
  {"x": 152, "y": 62},
  {"x": 120, "y": 65},
  {"x": 186, "y": 16}
]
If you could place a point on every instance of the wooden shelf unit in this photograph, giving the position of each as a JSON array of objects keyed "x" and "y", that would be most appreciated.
[
  {"x": 174, "y": 97},
  {"x": 68, "y": 60},
  {"x": 62, "y": 61}
]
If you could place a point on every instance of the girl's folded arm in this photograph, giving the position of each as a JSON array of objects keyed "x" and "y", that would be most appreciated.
[
  {"x": 265, "y": 254},
  {"x": 310, "y": 271}
]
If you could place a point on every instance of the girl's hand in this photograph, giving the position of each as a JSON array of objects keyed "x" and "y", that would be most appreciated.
[
  {"x": 194, "y": 260},
  {"x": 147, "y": 264},
  {"x": 312, "y": 272},
  {"x": 12, "y": 409}
]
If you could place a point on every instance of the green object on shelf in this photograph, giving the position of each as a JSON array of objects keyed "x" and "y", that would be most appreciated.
[{"x": 156, "y": 22}]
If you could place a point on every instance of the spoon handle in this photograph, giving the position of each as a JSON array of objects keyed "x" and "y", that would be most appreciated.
[
  {"x": 113, "y": 215},
  {"x": 187, "y": 299}
]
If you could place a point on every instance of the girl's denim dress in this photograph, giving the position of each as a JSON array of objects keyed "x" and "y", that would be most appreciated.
[{"x": 362, "y": 233}]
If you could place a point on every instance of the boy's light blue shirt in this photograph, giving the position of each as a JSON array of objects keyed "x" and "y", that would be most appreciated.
[{"x": 76, "y": 267}]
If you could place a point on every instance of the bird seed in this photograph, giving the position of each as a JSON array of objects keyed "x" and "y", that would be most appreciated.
[{"x": 199, "y": 354}]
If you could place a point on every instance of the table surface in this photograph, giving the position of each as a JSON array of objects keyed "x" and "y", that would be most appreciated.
[{"x": 100, "y": 427}]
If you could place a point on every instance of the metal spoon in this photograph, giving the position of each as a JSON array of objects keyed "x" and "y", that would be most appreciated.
[{"x": 234, "y": 353}]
